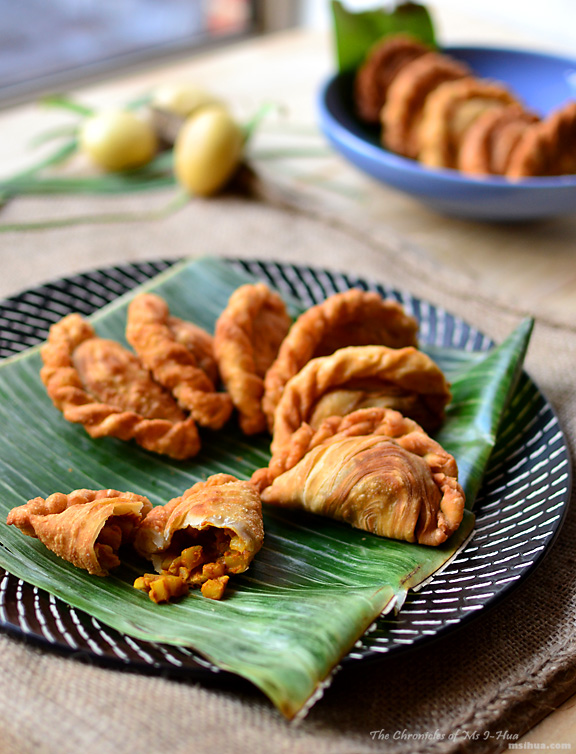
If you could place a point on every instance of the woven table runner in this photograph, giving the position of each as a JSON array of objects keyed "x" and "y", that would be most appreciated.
[{"x": 474, "y": 690}]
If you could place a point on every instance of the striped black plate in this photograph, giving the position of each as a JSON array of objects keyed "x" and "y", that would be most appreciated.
[{"x": 519, "y": 510}]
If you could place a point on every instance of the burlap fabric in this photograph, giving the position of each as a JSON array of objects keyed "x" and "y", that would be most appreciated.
[{"x": 473, "y": 691}]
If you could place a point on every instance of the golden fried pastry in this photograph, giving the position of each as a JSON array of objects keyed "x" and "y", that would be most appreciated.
[
  {"x": 199, "y": 342},
  {"x": 172, "y": 363},
  {"x": 382, "y": 64},
  {"x": 99, "y": 384},
  {"x": 350, "y": 318},
  {"x": 487, "y": 146},
  {"x": 448, "y": 113},
  {"x": 340, "y": 402},
  {"x": 373, "y": 469},
  {"x": 85, "y": 527},
  {"x": 115, "y": 376},
  {"x": 248, "y": 334},
  {"x": 547, "y": 147},
  {"x": 214, "y": 529},
  {"x": 407, "y": 94},
  {"x": 413, "y": 378}
]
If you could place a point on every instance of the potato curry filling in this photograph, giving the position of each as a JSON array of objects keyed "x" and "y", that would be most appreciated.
[{"x": 195, "y": 558}]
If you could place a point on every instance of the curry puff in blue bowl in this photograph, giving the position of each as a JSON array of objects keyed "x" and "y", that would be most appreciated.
[{"x": 474, "y": 132}]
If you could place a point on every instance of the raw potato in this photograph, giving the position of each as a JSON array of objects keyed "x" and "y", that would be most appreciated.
[
  {"x": 118, "y": 140},
  {"x": 182, "y": 99},
  {"x": 208, "y": 151}
]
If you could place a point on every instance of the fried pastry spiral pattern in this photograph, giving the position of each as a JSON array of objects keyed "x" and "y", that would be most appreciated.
[{"x": 373, "y": 469}]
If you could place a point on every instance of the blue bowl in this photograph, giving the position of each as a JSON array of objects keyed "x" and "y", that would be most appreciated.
[{"x": 542, "y": 82}]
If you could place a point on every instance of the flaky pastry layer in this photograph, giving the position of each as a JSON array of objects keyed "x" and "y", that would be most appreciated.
[
  {"x": 84, "y": 527},
  {"x": 373, "y": 469}
]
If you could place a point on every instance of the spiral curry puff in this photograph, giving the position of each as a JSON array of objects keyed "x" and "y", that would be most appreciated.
[
  {"x": 433, "y": 109},
  {"x": 85, "y": 527},
  {"x": 196, "y": 540},
  {"x": 373, "y": 469}
]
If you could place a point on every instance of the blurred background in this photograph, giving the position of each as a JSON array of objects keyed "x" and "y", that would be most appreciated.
[{"x": 45, "y": 46}]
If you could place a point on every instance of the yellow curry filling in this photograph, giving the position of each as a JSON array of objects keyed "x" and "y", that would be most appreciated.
[{"x": 195, "y": 559}]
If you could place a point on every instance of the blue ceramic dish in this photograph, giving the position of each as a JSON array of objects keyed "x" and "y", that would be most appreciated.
[{"x": 542, "y": 82}]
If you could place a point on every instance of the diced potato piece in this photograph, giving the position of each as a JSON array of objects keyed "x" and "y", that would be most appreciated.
[
  {"x": 191, "y": 557},
  {"x": 161, "y": 587},
  {"x": 235, "y": 562},
  {"x": 213, "y": 570},
  {"x": 213, "y": 589}
]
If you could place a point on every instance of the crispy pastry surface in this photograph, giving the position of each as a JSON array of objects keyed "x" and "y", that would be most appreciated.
[
  {"x": 449, "y": 111},
  {"x": 85, "y": 527},
  {"x": 248, "y": 334},
  {"x": 164, "y": 431},
  {"x": 411, "y": 376},
  {"x": 172, "y": 363},
  {"x": 488, "y": 144},
  {"x": 350, "y": 318},
  {"x": 547, "y": 147},
  {"x": 373, "y": 469},
  {"x": 407, "y": 94},
  {"x": 116, "y": 377},
  {"x": 198, "y": 539},
  {"x": 382, "y": 64},
  {"x": 198, "y": 342}
]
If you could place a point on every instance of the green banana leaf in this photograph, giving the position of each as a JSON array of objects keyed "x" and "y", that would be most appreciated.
[
  {"x": 316, "y": 586},
  {"x": 355, "y": 32}
]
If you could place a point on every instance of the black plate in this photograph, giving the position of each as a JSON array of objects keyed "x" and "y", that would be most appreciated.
[{"x": 519, "y": 510}]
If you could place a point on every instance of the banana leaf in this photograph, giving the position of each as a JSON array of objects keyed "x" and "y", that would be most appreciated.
[
  {"x": 316, "y": 586},
  {"x": 355, "y": 32}
]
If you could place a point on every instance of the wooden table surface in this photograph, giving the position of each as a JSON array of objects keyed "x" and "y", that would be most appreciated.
[{"x": 532, "y": 264}]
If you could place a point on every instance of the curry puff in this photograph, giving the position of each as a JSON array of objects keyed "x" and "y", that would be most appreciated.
[
  {"x": 349, "y": 318},
  {"x": 547, "y": 147},
  {"x": 373, "y": 469},
  {"x": 248, "y": 335},
  {"x": 196, "y": 540},
  {"x": 450, "y": 111},
  {"x": 407, "y": 95},
  {"x": 85, "y": 527},
  {"x": 374, "y": 77},
  {"x": 173, "y": 352},
  {"x": 405, "y": 379},
  {"x": 98, "y": 383}
]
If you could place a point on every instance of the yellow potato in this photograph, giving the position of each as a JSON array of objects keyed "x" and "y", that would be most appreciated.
[
  {"x": 208, "y": 151},
  {"x": 182, "y": 99},
  {"x": 118, "y": 140}
]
